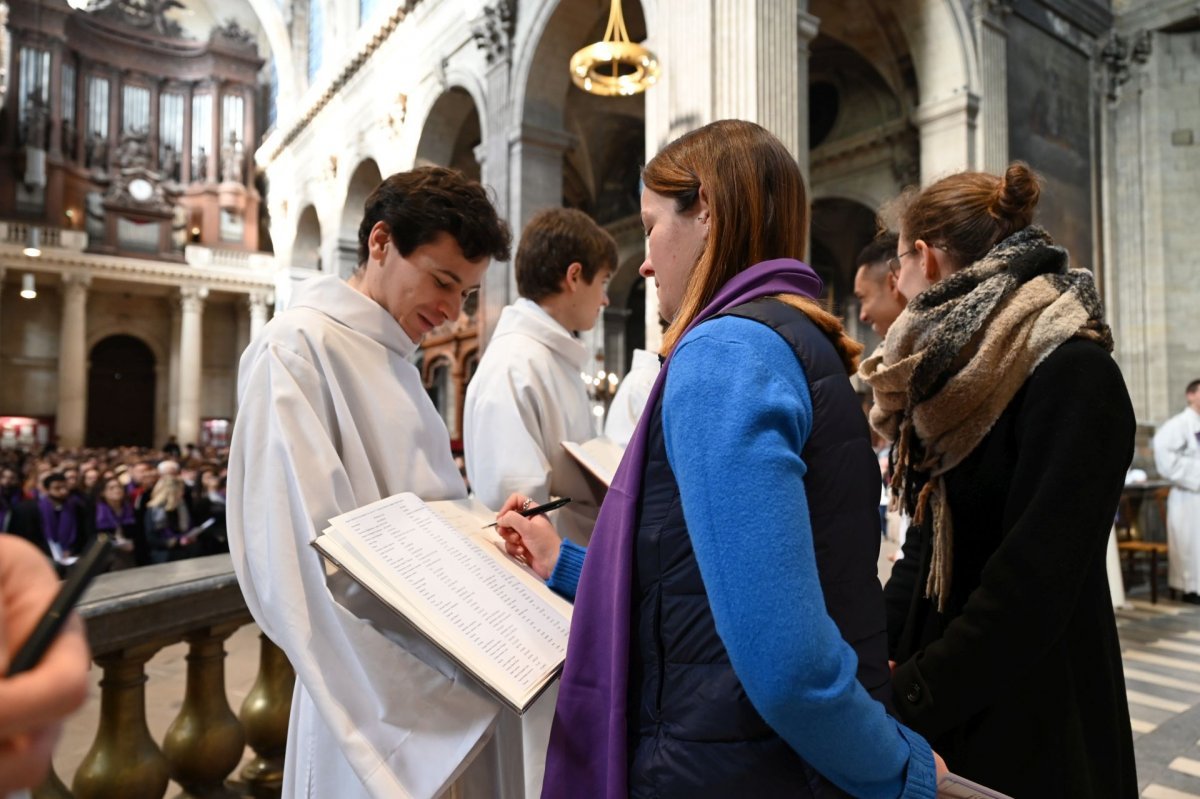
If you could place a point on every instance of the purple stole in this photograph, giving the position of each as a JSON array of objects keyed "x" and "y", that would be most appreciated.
[
  {"x": 106, "y": 519},
  {"x": 588, "y": 755},
  {"x": 59, "y": 526}
]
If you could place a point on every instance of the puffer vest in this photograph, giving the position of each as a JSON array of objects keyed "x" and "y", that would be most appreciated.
[{"x": 693, "y": 732}]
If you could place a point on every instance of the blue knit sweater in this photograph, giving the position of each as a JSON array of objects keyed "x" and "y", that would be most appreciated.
[{"x": 753, "y": 542}]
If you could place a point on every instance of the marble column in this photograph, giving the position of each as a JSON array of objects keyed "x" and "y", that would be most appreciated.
[
  {"x": 191, "y": 306},
  {"x": 807, "y": 27},
  {"x": 723, "y": 59},
  {"x": 257, "y": 302},
  {"x": 72, "y": 361},
  {"x": 173, "y": 372},
  {"x": 948, "y": 136},
  {"x": 991, "y": 26}
]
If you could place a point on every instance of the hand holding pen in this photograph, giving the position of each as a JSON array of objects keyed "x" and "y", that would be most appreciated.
[
  {"x": 528, "y": 535},
  {"x": 34, "y": 703}
]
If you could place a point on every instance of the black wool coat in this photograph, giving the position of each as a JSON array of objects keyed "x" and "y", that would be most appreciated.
[{"x": 1019, "y": 684}]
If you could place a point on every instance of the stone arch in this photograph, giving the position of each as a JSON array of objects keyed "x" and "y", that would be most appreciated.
[
  {"x": 450, "y": 133},
  {"x": 363, "y": 181},
  {"x": 841, "y": 227},
  {"x": 306, "y": 247}
]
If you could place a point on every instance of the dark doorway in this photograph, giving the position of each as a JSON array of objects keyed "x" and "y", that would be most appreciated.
[{"x": 121, "y": 383}]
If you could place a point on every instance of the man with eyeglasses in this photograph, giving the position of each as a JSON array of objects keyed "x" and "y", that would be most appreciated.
[{"x": 875, "y": 284}]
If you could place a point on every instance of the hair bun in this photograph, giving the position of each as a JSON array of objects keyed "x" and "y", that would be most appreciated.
[{"x": 1016, "y": 197}]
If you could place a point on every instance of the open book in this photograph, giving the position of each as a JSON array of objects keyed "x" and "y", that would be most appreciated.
[
  {"x": 599, "y": 456},
  {"x": 953, "y": 786},
  {"x": 435, "y": 565}
]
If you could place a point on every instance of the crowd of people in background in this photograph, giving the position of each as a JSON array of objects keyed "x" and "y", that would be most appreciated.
[{"x": 155, "y": 505}]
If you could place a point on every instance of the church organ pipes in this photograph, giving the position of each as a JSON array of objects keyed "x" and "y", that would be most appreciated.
[
  {"x": 33, "y": 98},
  {"x": 170, "y": 134},
  {"x": 135, "y": 110},
  {"x": 97, "y": 122},
  {"x": 201, "y": 136}
]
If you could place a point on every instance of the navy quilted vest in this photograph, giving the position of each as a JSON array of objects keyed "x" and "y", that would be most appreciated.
[{"x": 693, "y": 732}]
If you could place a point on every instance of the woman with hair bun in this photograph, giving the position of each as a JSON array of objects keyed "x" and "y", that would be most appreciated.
[{"x": 1012, "y": 431}]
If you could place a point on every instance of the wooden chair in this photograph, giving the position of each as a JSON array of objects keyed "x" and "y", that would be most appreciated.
[{"x": 1133, "y": 549}]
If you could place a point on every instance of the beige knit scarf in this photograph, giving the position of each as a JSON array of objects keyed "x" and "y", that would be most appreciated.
[{"x": 956, "y": 357}]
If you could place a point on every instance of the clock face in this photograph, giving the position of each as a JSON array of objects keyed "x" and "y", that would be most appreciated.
[{"x": 140, "y": 189}]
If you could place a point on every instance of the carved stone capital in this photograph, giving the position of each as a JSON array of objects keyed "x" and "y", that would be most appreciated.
[
  {"x": 807, "y": 27},
  {"x": 493, "y": 30},
  {"x": 1119, "y": 55},
  {"x": 258, "y": 301},
  {"x": 191, "y": 298},
  {"x": 995, "y": 10},
  {"x": 76, "y": 284}
]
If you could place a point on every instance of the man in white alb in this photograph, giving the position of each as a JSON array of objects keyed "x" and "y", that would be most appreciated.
[
  {"x": 1177, "y": 458},
  {"x": 528, "y": 395},
  {"x": 332, "y": 415}
]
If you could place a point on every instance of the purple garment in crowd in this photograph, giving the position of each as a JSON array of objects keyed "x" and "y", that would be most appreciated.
[
  {"x": 60, "y": 526},
  {"x": 588, "y": 755},
  {"x": 107, "y": 519}
]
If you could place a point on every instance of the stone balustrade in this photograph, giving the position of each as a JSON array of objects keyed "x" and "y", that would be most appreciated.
[
  {"x": 18, "y": 233},
  {"x": 133, "y": 614},
  {"x": 196, "y": 255}
]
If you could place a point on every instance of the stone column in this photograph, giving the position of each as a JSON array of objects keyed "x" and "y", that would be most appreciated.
[
  {"x": 535, "y": 179},
  {"x": 807, "y": 27},
  {"x": 191, "y": 305},
  {"x": 948, "y": 137},
  {"x": 492, "y": 155},
  {"x": 173, "y": 372},
  {"x": 745, "y": 58},
  {"x": 991, "y": 26},
  {"x": 72, "y": 361},
  {"x": 257, "y": 302}
]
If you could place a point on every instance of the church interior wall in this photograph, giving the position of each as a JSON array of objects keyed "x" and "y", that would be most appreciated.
[
  {"x": 220, "y": 355},
  {"x": 1177, "y": 58},
  {"x": 29, "y": 336}
]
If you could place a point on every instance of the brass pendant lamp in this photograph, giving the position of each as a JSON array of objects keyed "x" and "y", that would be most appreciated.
[{"x": 615, "y": 67}]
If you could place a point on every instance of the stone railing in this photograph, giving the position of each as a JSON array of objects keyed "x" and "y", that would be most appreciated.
[
  {"x": 133, "y": 614},
  {"x": 19, "y": 233},
  {"x": 196, "y": 255}
]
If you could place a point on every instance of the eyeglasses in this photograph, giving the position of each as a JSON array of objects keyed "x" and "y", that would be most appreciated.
[{"x": 893, "y": 263}]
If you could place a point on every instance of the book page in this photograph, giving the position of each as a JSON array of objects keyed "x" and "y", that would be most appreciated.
[
  {"x": 600, "y": 456},
  {"x": 953, "y": 786},
  {"x": 478, "y": 608}
]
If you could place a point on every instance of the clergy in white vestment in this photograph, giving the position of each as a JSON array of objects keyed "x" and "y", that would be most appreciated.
[
  {"x": 1177, "y": 458},
  {"x": 630, "y": 400},
  {"x": 333, "y": 415},
  {"x": 528, "y": 394}
]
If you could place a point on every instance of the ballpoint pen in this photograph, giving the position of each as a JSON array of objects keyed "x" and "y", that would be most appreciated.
[{"x": 538, "y": 510}]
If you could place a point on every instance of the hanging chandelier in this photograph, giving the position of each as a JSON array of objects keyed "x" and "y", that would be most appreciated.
[{"x": 615, "y": 67}]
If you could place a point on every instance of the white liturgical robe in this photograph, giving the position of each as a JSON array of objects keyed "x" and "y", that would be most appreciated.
[
  {"x": 526, "y": 398},
  {"x": 332, "y": 415},
  {"x": 1177, "y": 458}
]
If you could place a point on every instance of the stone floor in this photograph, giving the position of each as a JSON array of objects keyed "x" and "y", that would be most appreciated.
[{"x": 1160, "y": 644}]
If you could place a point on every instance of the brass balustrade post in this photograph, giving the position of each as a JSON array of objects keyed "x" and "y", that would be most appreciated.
[
  {"x": 205, "y": 741},
  {"x": 124, "y": 761},
  {"x": 265, "y": 714}
]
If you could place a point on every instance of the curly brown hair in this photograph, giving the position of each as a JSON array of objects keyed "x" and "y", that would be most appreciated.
[{"x": 420, "y": 204}]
